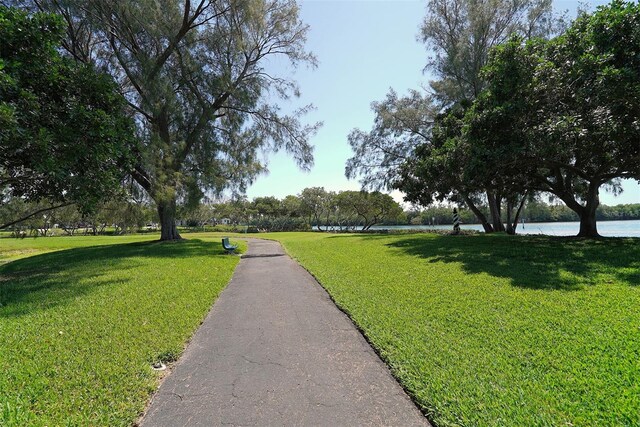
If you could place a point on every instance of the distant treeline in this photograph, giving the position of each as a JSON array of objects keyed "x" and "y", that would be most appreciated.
[
  {"x": 313, "y": 208},
  {"x": 533, "y": 212}
]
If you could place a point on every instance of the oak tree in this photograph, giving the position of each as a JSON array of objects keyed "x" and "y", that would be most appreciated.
[
  {"x": 567, "y": 111},
  {"x": 460, "y": 34}
]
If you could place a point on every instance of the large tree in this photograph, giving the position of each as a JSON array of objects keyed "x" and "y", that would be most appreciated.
[
  {"x": 368, "y": 208},
  {"x": 194, "y": 76},
  {"x": 64, "y": 133},
  {"x": 401, "y": 124},
  {"x": 316, "y": 203},
  {"x": 437, "y": 168},
  {"x": 460, "y": 33},
  {"x": 564, "y": 114}
]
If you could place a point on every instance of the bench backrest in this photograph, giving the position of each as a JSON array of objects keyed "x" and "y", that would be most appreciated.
[{"x": 226, "y": 245}]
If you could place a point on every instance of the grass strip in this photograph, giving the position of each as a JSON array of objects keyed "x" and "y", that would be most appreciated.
[
  {"x": 494, "y": 330},
  {"x": 80, "y": 327}
]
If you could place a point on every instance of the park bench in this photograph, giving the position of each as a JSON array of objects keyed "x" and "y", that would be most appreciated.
[{"x": 228, "y": 246}]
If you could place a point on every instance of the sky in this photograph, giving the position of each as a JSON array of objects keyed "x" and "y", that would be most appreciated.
[{"x": 364, "y": 48}]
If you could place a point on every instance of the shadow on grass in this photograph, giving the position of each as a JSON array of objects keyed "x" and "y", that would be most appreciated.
[
  {"x": 533, "y": 262},
  {"x": 48, "y": 280}
]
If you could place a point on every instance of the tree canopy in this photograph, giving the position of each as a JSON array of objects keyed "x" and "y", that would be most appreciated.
[
  {"x": 530, "y": 115},
  {"x": 460, "y": 33},
  {"x": 368, "y": 209},
  {"x": 64, "y": 132},
  {"x": 562, "y": 116},
  {"x": 194, "y": 75}
]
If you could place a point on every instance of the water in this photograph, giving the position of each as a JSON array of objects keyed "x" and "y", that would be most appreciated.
[{"x": 630, "y": 228}]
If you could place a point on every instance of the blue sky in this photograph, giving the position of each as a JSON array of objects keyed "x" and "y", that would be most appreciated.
[{"x": 364, "y": 48}]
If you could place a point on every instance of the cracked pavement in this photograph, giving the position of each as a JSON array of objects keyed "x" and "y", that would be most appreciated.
[{"x": 275, "y": 350}]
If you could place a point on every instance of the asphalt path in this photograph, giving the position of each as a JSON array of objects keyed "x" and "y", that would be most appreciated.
[{"x": 275, "y": 350}]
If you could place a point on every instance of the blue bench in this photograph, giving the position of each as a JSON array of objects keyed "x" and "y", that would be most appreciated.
[{"x": 228, "y": 246}]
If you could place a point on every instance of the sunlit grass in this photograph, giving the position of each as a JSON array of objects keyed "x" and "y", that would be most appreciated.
[
  {"x": 494, "y": 330},
  {"x": 481, "y": 330},
  {"x": 81, "y": 324},
  {"x": 12, "y": 248}
]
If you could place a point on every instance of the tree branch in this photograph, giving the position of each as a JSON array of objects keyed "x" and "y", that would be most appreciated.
[{"x": 9, "y": 224}]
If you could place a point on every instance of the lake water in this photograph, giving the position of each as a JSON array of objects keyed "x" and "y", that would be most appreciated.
[{"x": 629, "y": 228}]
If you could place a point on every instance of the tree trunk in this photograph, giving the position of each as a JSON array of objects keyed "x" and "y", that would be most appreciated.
[
  {"x": 588, "y": 226},
  {"x": 318, "y": 223},
  {"x": 587, "y": 213},
  {"x": 483, "y": 219},
  {"x": 511, "y": 227},
  {"x": 167, "y": 214},
  {"x": 518, "y": 212},
  {"x": 494, "y": 209}
]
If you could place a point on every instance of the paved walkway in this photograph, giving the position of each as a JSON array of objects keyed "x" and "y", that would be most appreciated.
[{"x": 275, "y": 350}]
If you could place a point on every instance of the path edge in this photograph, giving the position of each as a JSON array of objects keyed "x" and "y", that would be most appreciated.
[
  {"x": 170, "y": 366},
  {"x": 423, "y": 410}
]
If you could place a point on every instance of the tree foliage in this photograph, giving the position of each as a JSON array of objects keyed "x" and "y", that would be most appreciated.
[
  {"x": 401, "y": 124},
  {"x": 64, "y": 132},
  {"x": 557, "y": 116},
  {"x": 313, "y": 207},
  {"x": 564, "y": 115},
  {"x": 317, "y": 204},
  {"x": 460, "y": 33},
  {"x": 368, "y": 208},
  {"x": 194, "y": 73},
  {"x": 437, "y": 168}
]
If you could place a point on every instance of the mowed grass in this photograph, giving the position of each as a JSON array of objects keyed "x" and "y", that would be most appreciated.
[
  {"x": 12, "y": 249},
  {"x": 494, "y": 330},
  {"x": 82, "y": 321}
]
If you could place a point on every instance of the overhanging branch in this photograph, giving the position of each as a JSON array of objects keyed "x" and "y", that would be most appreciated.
[{"x": 9, "y": 224}]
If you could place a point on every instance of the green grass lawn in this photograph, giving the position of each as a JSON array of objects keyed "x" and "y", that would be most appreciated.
[
  {"x": 12, "y": 249},
  {"x": 83, "y": 318},
  {"x": 481, "y": 330},
  {"x": 494, "y": 330}
]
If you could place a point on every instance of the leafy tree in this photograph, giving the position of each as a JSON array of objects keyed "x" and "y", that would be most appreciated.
[
  {"x": 401, "y": 124},
  {"x": 68, "y": 218},
  {"x": 447, "y": 167},
  {"x": 438, "y": 215},
  {"x": 579, "y": 129},
  {"x": 194, "y": 74},
  {"x": 64, "y": 133},
  {"x": 199, "y": 215},
  {"x": 316, "y": 203},
  {"x": 267, "y": 206},
  {"x": 619, "y": 212},
  {"x": 461, "y": 33},
  {"x": 371, "y": 208},
  {"x": 126, "y": 216},
  {"x": 98, "y": 221},
  {"x": 345, "y": 218},
  {"x": 292, "y": 206},
  {"x": 22, "y": 215},
  {"x": 239, "y": 210},
  {"x": 436, "y": 171}
]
